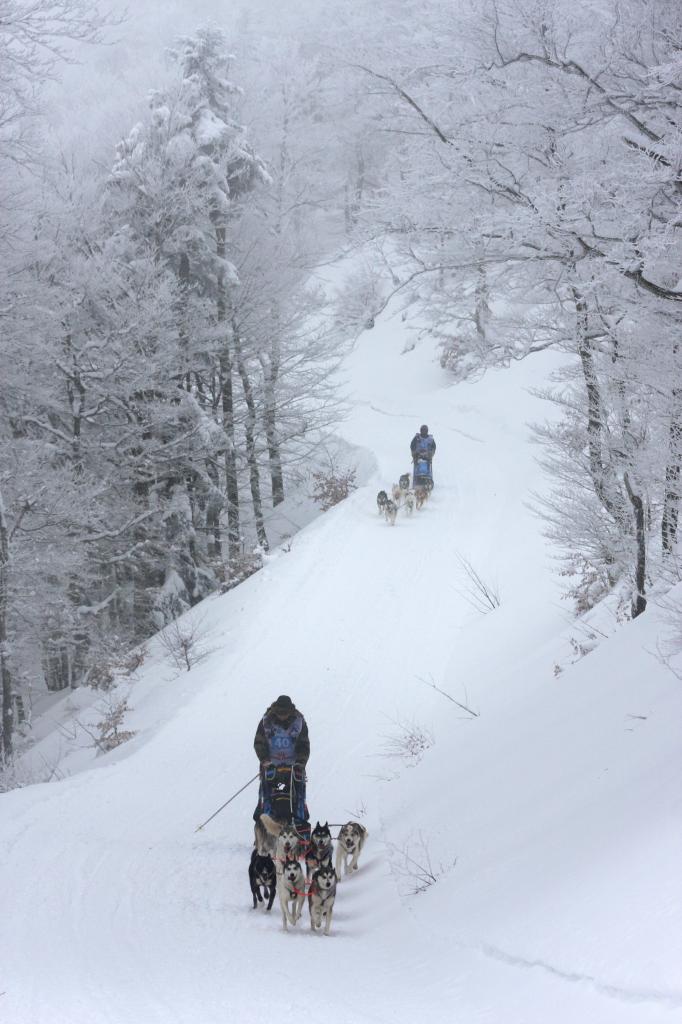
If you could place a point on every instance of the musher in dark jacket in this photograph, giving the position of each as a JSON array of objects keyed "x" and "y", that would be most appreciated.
[
  {"x": 281, "y": 742},
  {"x": 423, "y": 445}
]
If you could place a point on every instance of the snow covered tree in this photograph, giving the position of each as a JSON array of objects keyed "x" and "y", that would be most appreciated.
[
  {"x": 174, "y": 184},
  {"x": 540, "y": 205}
]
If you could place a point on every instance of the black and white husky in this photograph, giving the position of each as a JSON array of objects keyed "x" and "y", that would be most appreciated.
[
  {"x": 262, "y": 875},
  {"x": 291, "y": 892},
  {"x": 319, "y": 851},
  {"x": 382, "y": 498},
  {"x": 321, "y": 897},
  {"x": 349, "y": 846}
]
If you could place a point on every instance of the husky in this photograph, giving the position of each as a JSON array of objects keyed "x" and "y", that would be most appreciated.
[
  {"x": 262, "y": 874},
  {"x": 266, "y": 831},
  {"x": 382, "y": 499},
  {"x": 277, "y": 839},
  {"x": 289, "y": 846},
  {"x": 409, "y": 502},
  {"x": 350, "y": 843},
  {"x": 321, "y": 897},
  {"x": 404, "y": 482},
  {"x": 291, "y": 891},
  {"x": 396, "y": 493},
  {"x": 391, "y": 511},
  {"x": 420, "y": 496},
  {"x": 319, "y": 851}
]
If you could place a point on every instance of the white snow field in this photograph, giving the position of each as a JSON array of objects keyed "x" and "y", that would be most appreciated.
[{"x": 550, "y": 823}]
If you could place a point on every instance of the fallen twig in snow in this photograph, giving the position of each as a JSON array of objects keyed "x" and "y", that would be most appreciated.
[{"x": 474, "y": 714}]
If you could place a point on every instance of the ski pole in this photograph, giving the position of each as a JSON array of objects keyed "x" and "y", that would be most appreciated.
[{"x": 199, "y": 827}]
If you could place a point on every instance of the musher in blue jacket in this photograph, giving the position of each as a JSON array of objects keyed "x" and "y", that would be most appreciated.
[
  {"x": 423, "y": 445},
  {"x": 281, "y": 742}
]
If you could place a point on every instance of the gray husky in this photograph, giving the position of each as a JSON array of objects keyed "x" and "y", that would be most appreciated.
[
  {"x": 321, "y": 897},
  {"x": 265, "y": 831},
  {"x": 277, "y": 839},
  {"x": 291, "y": 892},
  {"x": 319, "y": 850},
  {"x": 349, "y": 846}
]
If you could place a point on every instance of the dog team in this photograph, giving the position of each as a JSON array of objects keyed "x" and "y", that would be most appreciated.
[
  {"x": 276, "y": 867},
  {"x": 402, "y": 496}
]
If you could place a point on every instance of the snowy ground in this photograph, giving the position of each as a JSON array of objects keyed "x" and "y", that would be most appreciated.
[{"x": 551, "y": 822}]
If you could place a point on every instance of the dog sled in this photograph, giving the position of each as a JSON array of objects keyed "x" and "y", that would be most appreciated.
[
  {"x": 422, "y": 475},
  {"x": 282, "y": 796}
]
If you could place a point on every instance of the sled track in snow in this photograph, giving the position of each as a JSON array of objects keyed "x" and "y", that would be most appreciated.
[{"x": 671, "y": 1000}]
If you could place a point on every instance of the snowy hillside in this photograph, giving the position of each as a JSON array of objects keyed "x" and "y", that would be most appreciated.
[{"x": 548, "y": 816}]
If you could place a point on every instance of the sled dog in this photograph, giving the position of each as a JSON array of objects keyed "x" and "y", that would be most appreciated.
[
  {"x": 391, "y": 511},
  {"x": 409, "y": 502},
  {"x": 266, "y": 831},
  {"x": 349, "y": 847},
  {"x": 382, "y": 500},
  {"x": 277, "y": 839},
  {"x": 397, "y": 493},
  {"x": 321, "y": 897},
  {"x": 291, "y": 891},
  {"x": 404, "y": 482},
  {"x": 289, "y": 846},
  {"x": 262, "y": 875},
  {"x": 319, "y": 852},
  {"x": 420, "y": 496}
]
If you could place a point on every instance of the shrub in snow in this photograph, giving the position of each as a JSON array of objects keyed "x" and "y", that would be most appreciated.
[
  {"x": 483, "y": 595},
  {"x": 134, "y": 660},
  {"x": 413, "y": 868},
  {"x": 184, "y": 641},
  {"x": 111, "y": 735},
  {"x": 331, "y": 486},
  {"x": 409, "y": 742},
  {"x": 241, "y": 567}
]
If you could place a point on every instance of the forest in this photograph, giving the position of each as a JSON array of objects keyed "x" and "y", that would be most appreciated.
[{"x": 509, "y": 173}]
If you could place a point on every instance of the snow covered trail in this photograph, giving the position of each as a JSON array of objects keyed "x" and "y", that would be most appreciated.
[{"x": 550, "y": 823}]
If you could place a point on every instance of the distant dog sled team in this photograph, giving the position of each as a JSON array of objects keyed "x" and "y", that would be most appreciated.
[
  {"x": 411, "y": 493},
  {"x": 283, "y": 838}
]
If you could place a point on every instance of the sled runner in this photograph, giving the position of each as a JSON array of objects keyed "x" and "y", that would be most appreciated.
[{"x": 423, "y": 474}]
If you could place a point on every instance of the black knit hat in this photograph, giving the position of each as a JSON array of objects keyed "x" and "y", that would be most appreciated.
[
  {"x": 424, "y": 430},
  {"x": 283, "y": 705}
]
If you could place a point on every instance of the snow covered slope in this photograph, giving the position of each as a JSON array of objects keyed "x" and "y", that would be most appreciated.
[{"x": 549, "y": 821}]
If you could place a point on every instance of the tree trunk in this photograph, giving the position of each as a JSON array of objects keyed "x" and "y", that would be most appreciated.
[
  {"x": 5, "y": 677},
  {"x": 183, "y": 318},
  {"x": 606, "y": 492},
  {"x": 231, "y": 480},
  {"x": 270, "y": 374},
  {"x": 671, "y": 500},
  {"x": 251, "y": 458},
  {"x": 213, "y": 508},
  {"x": 481, "y": 308},
  {"x": 639, "y": 600},
  {"x": 75, "y": 391},
  {"x": 227, "y": 393}
]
